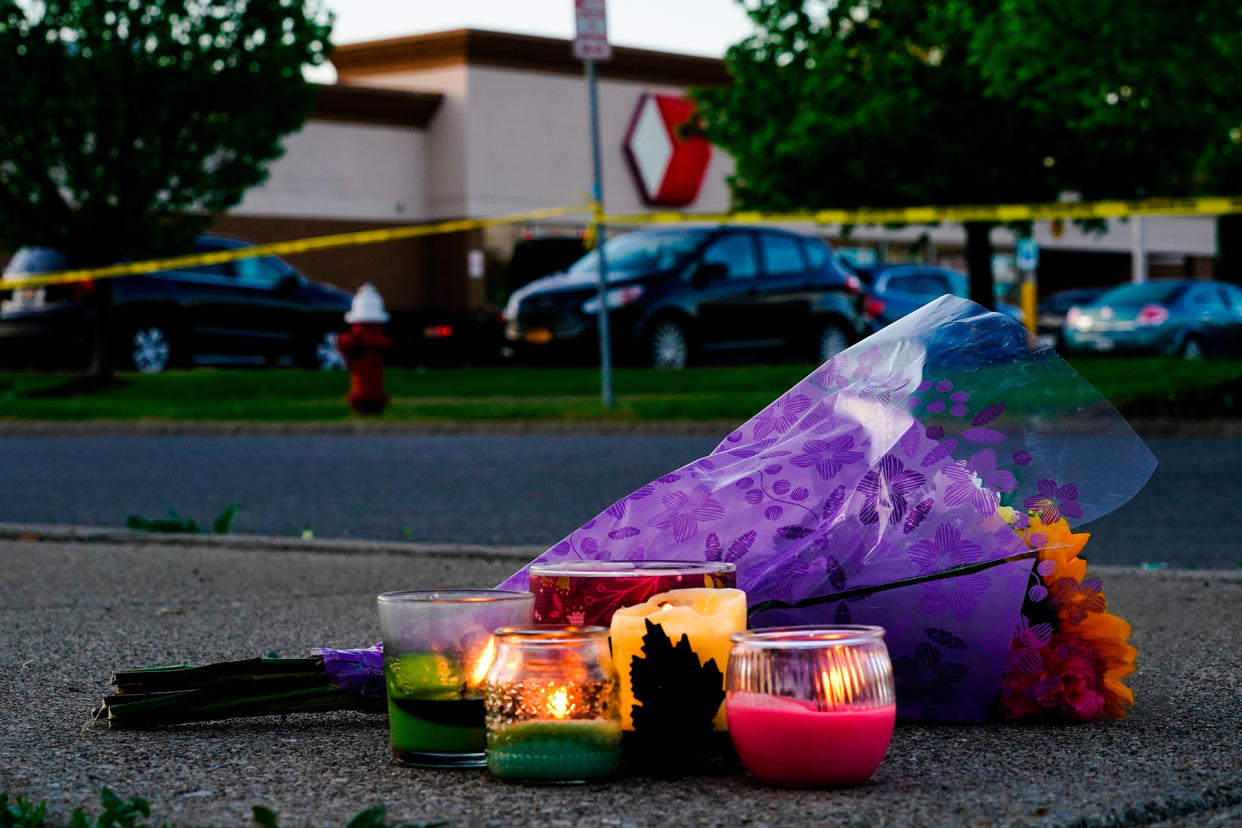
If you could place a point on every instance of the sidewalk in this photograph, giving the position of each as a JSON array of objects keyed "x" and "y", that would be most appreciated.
[{"x": 73, "y": 608}]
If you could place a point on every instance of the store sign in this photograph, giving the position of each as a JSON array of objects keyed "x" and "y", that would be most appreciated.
[{"x": 668, "y": 165}]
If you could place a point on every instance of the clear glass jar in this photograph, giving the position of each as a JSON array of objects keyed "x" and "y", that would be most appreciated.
[
  {"x": 811, "y": 705},
  {"x": 553, "y": 713},
  {"x": 438, "y": 647}
]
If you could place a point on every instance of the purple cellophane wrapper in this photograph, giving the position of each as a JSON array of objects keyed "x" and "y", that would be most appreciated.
[
  {"x": 360, "y": 672},
  {"x": 888, "y": 463}
]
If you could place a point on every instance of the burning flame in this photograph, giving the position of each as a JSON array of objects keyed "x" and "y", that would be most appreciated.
[
  {"x": 664, "y": 606},
  {"x": 478, "y": 673},
  {"x": 842, "y": 680},
  {"x": 558, "y": 703}
]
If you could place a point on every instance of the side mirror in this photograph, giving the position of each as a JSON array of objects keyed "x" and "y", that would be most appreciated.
[
  {"x": 289, "y": 285},
  {"x": 708, "y": 273}
]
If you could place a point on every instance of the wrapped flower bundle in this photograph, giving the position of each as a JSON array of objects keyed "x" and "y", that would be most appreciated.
[{"x": 922, "y": 481}]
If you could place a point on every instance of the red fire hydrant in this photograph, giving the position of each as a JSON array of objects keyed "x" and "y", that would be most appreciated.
[{"x": 363, "y": 347}]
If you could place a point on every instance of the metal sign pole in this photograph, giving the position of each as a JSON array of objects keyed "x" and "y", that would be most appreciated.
[{"x": 607, "y": 396}]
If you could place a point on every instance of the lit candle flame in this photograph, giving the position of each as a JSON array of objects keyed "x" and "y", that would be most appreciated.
[
  {"x": 842, "y": 680},
  {"x": 478, "y": 673},
  {"x": 665, "y": 606},
  {"x": 558, "y": 703}
]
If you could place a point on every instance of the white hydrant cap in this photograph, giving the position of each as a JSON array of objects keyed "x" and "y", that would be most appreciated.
[{"x": 368, "y": 306}]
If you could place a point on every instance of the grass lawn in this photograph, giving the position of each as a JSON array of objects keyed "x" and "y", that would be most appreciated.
[{"x": 511, "y": 392}]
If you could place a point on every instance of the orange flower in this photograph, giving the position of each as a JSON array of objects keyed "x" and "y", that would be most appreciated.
[
  {"x": 1059, "y": 545},
  {"x": 1107, "y": 634}
]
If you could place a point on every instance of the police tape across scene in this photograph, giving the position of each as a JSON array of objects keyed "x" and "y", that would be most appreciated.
[{"x": 1064, "y": 210}]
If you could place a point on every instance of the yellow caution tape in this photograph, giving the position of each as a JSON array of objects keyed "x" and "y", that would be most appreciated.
[
  {"x": 1207, "y": 206},
  {"x": 289, "y": 247}
]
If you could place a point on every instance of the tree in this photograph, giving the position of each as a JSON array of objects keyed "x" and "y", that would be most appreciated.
[
  {"x": 875, "y": 103},
  {"x": 128, "y": 125},
  {"x": 1148, "y": 94}
]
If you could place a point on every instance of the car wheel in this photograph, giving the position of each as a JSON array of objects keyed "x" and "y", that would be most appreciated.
[
  {"x": 149, "y": 349},
  {"x": 668, "y": 345},
  {"x": 831, "y": 340},
  {"x": 327, "y": 356},
  {"x": 1192, "y": 348}
]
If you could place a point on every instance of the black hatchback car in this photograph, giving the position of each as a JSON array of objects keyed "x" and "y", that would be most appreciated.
[
  {"x": 252, "y": 311},
  {"x": 675, "y": 293}
]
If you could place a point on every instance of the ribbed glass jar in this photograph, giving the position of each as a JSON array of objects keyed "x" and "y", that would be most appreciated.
[
  {"x": 553, "y": 713},
  {"x": 810, "y": 705}
]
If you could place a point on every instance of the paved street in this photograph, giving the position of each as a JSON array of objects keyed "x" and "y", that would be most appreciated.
[
  {"x": 70, "y": 613},
  {"x": 490, "y": 489}
]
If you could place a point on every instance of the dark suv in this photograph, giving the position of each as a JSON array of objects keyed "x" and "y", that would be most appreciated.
[
  {"x": 674, "y": 293},
  {"x": 257, "y": 310}
]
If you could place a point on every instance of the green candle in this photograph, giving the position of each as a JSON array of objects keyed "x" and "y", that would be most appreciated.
[
  {"x": 555, "y": 750},
  {"x": 430, "y": 712}
]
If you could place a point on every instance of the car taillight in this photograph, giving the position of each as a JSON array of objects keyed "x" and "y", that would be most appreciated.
[
  {"x": 82, "y": 289},
  {"x": 853, "y": 284},
  {"x": 437, "y": 332},
  {"x": 873, "y": 307},
  {"x": 1153, "y": 315}
]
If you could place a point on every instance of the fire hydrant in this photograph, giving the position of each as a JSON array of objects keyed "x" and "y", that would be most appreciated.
[{"x": 363, "y": 347}]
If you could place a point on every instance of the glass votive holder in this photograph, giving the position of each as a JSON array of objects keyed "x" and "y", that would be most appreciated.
[
  {"x": 811, "y": 706},
  {"x": 589, "y": 592},
  {"x": 438, "y": 647},
  {"x": 552, "y": 706}
]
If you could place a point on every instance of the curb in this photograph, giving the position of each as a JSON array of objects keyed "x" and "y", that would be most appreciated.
[
  {"x": 33, "y": 533},
  {"x": 1154, "y": 427}
]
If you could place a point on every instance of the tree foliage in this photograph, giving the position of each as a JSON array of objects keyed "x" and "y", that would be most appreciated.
[
  {"x": 899, "y": 102},
  {"x": 129, "y": 123}
]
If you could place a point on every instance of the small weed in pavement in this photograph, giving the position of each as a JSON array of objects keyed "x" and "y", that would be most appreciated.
[
  {"x": 132, "y": 813},
  {"x": 175, "y": 524}
]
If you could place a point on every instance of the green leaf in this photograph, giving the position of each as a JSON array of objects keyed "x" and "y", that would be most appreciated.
[
  {"x": 22, "y": 814},
  {"x": 265, "y": 817},
  {"x": 370, "y": 818},
  {"x": 225, "y": 519}
]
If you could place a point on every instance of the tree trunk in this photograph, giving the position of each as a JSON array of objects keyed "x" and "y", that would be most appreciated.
[
  {"x": 979, "y": 263},
  {"x": 102, "y": 368},
  {"x": 1229, "y": 248}
]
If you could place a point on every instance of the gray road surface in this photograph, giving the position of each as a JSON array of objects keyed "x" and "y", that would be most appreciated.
[
  {"x": 498, "y": 489},
  {"x": 70, "y": 613}
]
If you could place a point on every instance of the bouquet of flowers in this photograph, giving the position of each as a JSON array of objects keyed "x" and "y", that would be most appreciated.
[{"x": 922, "y": 481}]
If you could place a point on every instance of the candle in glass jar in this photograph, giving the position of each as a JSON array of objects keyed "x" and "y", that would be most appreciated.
[
  {"x": 707, "y": 617},
  {"x": 589, "y": 592},
  {"x": 552, "y": 705},
  {"x": 811, "y": 705}
]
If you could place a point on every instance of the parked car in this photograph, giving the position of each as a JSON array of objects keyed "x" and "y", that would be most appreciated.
[
  {"x": 1051, "y": 312},
  {"x": 257, "y": 310},
  {"x": 895, "y": 290},
  {"x": 1192, "y": 319},
  {"x": 674, "y": 293}
]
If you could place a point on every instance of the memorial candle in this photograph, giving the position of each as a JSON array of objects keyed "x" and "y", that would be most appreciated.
[
  {"x": 552, "y": 712},
  {"x": 707, "y": 617},
  {"x": 811, "y": 705}
]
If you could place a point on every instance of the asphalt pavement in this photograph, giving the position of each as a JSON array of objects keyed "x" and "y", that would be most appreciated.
[
  {"x": 72, "y": 609},
  {"x": 531, "y": 488}
]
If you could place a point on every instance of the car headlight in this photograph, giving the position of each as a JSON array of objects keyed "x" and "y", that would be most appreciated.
[{"x": 616, "y": 298}]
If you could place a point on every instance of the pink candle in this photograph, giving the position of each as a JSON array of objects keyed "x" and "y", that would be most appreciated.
[{"x": 792, "y": 742}]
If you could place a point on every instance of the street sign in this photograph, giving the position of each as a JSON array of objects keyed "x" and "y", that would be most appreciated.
[
  {"x": 591, "y": 38},
  {"x": 1028, "y": 254}
]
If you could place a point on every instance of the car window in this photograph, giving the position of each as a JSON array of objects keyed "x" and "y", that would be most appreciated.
[
  {"x": 259, "y": 272},
  {"x": 902, "y": 283},
  {"x": 1163, "y": 293},
  {"x": 1206, "y": 298},
  {"x": 930, "y": 285},
  {"x": 736, "y": 252},
  {"x": 817, "y": 254},
  {"x": 1233, "y": 296},
  {"x": 640, "y": 251},
  {"x": 782, "y": 255}
]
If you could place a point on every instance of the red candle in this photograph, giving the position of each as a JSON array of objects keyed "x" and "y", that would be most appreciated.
[
  {"x": 589, "y": 592},
  {"x": 793, "y": 742}
]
